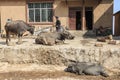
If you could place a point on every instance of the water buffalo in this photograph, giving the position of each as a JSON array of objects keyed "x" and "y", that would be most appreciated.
[
  {"x": 52, "y": 38},
  {"x": 86, "y": 68},
  {"x": 18, "y": 28}
]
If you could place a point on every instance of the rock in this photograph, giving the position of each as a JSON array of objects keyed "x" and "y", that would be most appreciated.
[
  {"x": 109, "y": 37},
  {"x": 114, "y": 42},
  {"x": 105, "y": 39},
  {"x": 99, "y": 45},
  {"x": 101, "y": 39}
]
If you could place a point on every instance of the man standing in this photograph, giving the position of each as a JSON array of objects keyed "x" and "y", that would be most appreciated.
[{"x": 58, "y": 24}]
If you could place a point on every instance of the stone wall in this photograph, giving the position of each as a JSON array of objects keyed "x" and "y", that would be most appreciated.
[{"x": 60, "y": 55}]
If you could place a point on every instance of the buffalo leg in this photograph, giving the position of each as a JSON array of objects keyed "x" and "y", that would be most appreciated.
[
  {"x": 59, "y": 41},
  {"x": 7, "y": 37},
  {"x": 8, "y": 40},
  {"x": 80, "y": 72},
  {"x": 19, "y": 39},
  {"x": 45, "y": 41}
]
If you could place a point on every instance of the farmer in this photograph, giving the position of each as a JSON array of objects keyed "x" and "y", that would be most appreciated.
[{"x": 58, "y": 24}]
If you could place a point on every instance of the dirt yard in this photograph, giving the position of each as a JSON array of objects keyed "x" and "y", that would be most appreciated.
[
  {"x": 44, "y": 72},
  {"x": 20, "y": 72},
  {"x": 44, "y": 75}
]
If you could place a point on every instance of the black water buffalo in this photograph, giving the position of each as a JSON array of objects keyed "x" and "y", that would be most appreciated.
[
  {"x": 18, "y": 28},
  {"x": 86, "y": 68},
  {"x": 52, "y": 38}
]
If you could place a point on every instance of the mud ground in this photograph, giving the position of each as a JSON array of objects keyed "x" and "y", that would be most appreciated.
[
  {"x": 34, "y": 74},
  {"x": 44, "y": 75},
  {"x": 44, "y": 72}
]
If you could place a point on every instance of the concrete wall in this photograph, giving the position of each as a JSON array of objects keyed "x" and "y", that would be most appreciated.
[
  {"x": 102, "y": 11},
  {"x": 12, "y": 9},
  {"x": 103, "y": 14},
  {"x": 61, "y": 10}
]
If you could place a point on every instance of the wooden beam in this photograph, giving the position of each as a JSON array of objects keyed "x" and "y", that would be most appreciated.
[
  {"x": 99, "y": 1},
  {"x": 83, "y": 16},
  {"x": 66, "y": 1}
]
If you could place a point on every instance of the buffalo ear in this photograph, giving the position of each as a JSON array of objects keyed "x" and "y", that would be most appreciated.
[
  {"x": 65, "y": 70},
  {"x": 73, "y": 68},
  {"x": 62, "y": 36},
  {"x": 66, "y": 33}
]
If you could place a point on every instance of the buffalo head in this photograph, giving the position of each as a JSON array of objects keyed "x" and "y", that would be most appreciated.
[
  {"x": 71, "y": 68},
  {"x": 31, "y": 29},
  {"x": 68, "y": 35}
]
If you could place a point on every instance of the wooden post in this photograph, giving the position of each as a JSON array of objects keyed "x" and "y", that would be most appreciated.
[
  {"x": 66, "y": 1},
  {"x": 83, "y": 16}
]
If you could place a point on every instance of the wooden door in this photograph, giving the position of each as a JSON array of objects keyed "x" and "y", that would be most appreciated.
[
  {"x": 72, "y": 19},
  {"x": 117, "y": 24},
  {"x": 89, "y": 18}
]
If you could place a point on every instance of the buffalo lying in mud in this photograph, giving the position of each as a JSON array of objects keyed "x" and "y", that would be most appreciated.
[
  {"x": 18, "y": 28},
  {"x": 52, "y": 38},
  {"x": 86, "y": 68}
]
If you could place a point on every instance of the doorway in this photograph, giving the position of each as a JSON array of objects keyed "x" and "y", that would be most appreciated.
[
  {"x": 75, "y": 18},
  {"x": 89, "y": 18},
  {"x": 78, "y": 20}
]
